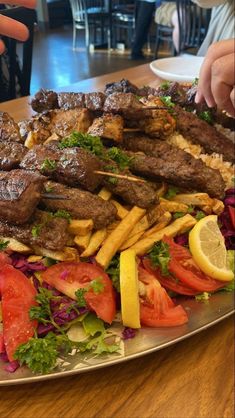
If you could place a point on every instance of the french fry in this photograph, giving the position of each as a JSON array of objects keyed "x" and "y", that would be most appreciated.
[
  {"x": 163, "y": 221},
  {"x": 16, "y": 246},
  {"x": 171, "y": 206},
  {"x": 80, "y": 227},
  {"x": 136, "y": 233},
  {"x": 118, "y": 236},
  {"x": 112, "y": 226},
  {"x": 218, "y": 206},
  {"x": 96, "y": 240},
  {"x": 34, "y": 258},
  {"x": 104, "y": 193},
  {"x": 31, "y": 140},
  {"x": 178, "y": 226},
  {"x": 82, "y": 242},
  {"x": 131, "y": 241},
  {"x": 197, "y": 199},
  {"x": 121, "y": 211},
  {"x": 154, "y": 214},
  {"x": 67, "y": 254}
]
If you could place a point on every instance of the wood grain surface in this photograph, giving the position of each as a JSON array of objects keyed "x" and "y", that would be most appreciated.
[{"x": 192, "y": 379}]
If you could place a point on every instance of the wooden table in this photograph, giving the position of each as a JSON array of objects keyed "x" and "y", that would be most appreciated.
[{"x": 192, "y": 379}]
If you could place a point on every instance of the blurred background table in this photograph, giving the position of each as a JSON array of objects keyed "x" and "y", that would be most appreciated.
[{"x": 192, "y": 379}]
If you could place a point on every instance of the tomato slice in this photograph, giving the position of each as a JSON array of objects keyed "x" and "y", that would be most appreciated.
[
  {"x": 156, "y": 307},
  {"x": 169, "y": 282},
  {"x": 4, "y": 259},
  {"x": 69, "y": 277},
  {"x": 18, "y": 296},
  {"x": 183, "y": 267}
]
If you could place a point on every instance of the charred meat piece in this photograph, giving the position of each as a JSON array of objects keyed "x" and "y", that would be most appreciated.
[
  {"x": 9, "y": 130},
  {"x": 71, "y": 100},
  {"x": 11, "y": 154},
  {"x": 44, "y": 100},
  {"x": 39, "y": 125},
  {"x": 71, "y": 166},
  {"x": 43, "y": 230},
  {"x": 223, "y": 119},
  {"x": 108, "y": 126},
  {"x": 126, "y": 104},
  {"x": 159, "y": 122},
  {"x": 95, "y": 101},
  {"x": 63, "y": 122},
  {"x": 122, "y": 86},
  {"x": 133, "y": 193},
  {"x": 200, "y": 132},
  {"x": 176, "y": 171},
  {"x": 20, "y": 192},
  {"x": 80, "y": 204}
]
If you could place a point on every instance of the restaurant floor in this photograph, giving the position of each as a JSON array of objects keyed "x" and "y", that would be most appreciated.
[{"x": 56, "y": 64}]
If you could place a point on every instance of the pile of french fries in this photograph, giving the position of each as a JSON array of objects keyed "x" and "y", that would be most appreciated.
[{"x": 134, "y": 228}]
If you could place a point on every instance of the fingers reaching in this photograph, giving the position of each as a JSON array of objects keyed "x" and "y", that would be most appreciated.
[
  {"x": 13, "y": 29},
  {"x": 222, "y": 82},
  {"x": 31, "y": 4}
]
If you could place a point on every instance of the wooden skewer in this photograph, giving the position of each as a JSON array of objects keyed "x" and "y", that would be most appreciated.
[
  {"x": 120, "y": 176},
  {"x": 131, "y": 130}
]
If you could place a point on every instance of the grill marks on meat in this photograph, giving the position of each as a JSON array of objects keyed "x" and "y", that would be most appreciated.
[
  {"x": 9, "y": 130},
  {"x": 11, "y": 154},
  {"x": 43, "y": 230},
  {"x": 81, "y": 205},
  {"x": 71, "y": 166},
  {"x": 173, "y": 165},
  {"x": 200, "y": 132},
  {"x": 20, "y": 192}
]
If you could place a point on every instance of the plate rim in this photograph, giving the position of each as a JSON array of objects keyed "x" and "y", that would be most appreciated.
[{"x": 171, "y": 76}]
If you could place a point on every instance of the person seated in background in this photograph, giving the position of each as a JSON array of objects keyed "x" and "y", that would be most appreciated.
[
  {"x": 12, "y": 28},
  {"x": 222, "y": 22},
  {"x": 217, "y": 77}
]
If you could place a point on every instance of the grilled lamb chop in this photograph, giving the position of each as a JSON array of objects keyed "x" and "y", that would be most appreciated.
[
  {"x": 200, "y": 132},
  {"x": 43, "y": 230},
  {"x": 11, "y": 154},
  {"x": 177, "y": 168},
  {"x": 108, "y": 126},
  {"x": 20, "y": 192},
  {"x": 80, "y": 204},
  {"x": 71, "y": 166},
  {"x": 9, "y": 130}
]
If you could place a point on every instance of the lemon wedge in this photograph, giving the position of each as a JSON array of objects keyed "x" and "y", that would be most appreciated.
[
  {"x": 129, "y": 289},
  {"x": 207, "y": 246}
]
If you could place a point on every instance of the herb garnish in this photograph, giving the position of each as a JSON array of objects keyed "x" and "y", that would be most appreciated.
[
  {"x": 96, "y": 285},
  {"x": 199, "y": 215},
  {"x": 85, "y": 141},
  {"x": 195, "y": 82},
  {"x": 62, "y": 213},
  {"x": 48, "y": 164},
  {"x": 160, "y": 256},
  {"x": 122, "y": 160},
  {"x": 167, "y": 101},
  {"x": 3, "y": 245},
  {"x": 113, "y": 271},
  {"x": 165, "y": 85},
  {"x": 178, "y": 215},
  {"x": 35, "y": 231},
  {"x": 113, "y": 180},
  {"x": 207, "y": 116},
  {"x": 171, "y": 192}
]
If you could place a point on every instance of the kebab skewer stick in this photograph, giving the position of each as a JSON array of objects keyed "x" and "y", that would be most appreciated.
[{"x": 120, "y": 176}]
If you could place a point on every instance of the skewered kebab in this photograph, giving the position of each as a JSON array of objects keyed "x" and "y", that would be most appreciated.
[
  {"x": 11, "y": 154},
  {"x": 9, "y": 130},
  {"x": 43, "y": 230},
  {"x": 80, "y": 204},
  {"x": 172, "y": 165},
  {"x": 20, "y": 192}
]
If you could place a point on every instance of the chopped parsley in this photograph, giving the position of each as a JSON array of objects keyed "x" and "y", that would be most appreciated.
[
  {"x": 3, "y": 245},
  {"x": 178, "y": 215},
  {"x": 203, "y": 297},
  {"x": 80, "y": 294},
  {"x": 62, "y": 213},
  {"x": 206, "y": 116},
  {"x": 83, "y": 140},
  {"x": 122, "y": 160},
  {"x": 96, "y": 285},
  {"x": 35, "y": 231},
  {"x": 48, "y": 164},
  {"x": 165, "y": 85},
  {"x": 160, "y": 256},
  {"x": 113, "y": 180},
  {"x": 167, "y": 101},
  {"x": 199, "y": 215},
  {"x": 171, "y": 192},
  {"x": 113, "y": 271}
]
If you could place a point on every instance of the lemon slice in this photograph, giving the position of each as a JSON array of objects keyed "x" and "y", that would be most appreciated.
[
  {"x": 207, "y": 246},
  {"x": 129, "y": 289}
]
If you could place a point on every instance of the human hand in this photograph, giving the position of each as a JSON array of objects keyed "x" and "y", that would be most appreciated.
[
  {"x": 217, "y": 77},
  {"x": 12, "y": 28}
]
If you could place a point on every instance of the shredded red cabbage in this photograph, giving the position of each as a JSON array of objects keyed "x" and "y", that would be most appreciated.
[
  {"x": 182, "y": 239},
  {"x": 128, "y": 333},
  {"x": 21, "y": 263},
  {"x": 226, "y": 226},
  {"x": 12, "y": 366}
]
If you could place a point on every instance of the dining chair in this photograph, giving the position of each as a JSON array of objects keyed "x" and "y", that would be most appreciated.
[
  {"x": 80, "y": 21},
  {"x": 123, "y": 22},
  {"x": 16, "y": 62}
]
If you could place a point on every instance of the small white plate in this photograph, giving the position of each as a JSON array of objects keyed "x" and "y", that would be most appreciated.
[{"x": 184, "y": 68}]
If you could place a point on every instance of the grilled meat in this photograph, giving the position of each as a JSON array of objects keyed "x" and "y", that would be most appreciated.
[
  {"x": 44, "y": 100},
  {"x": 71, "y": 166},
  {"x": 126, "y": 104},
  {"x": 20, "y": 192},
  {"x": 81, "y": 204},
  {"x": 200, "y": 132},
  {"x": 95, "y": 101},
  {"x": 71, "y": 100},
  {"x": 108, "y": 126},
  {"x": 11, "y": 154},
  {"x": 39, "y": 125},
  {"x": 164, "y": 162},
  {"x": 9, "y": 130},
  {"x": 125, "y": 86},
  {"x": 43, "y": 230}
]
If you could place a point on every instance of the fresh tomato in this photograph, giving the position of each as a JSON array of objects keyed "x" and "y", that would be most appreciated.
[
  {"x": 156, "y": 307},
  {"x": 4, "y": 259},
  {"x": 18, "y": 296},
  {"x": 231, "y": 211},
  {"x": 169, "y": 282},
  {"x": 69, "y": 277},
  {"x": 183, "y": 268}
]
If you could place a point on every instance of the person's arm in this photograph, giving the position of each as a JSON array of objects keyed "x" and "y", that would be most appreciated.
[
  {"x": 12, "y": 28},
  {"x": 208, "y": 4},
  {"x": 217, "y": 77}
]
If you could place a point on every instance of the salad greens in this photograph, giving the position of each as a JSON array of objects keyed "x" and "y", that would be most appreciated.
[{"x": 160, "y": 256}]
